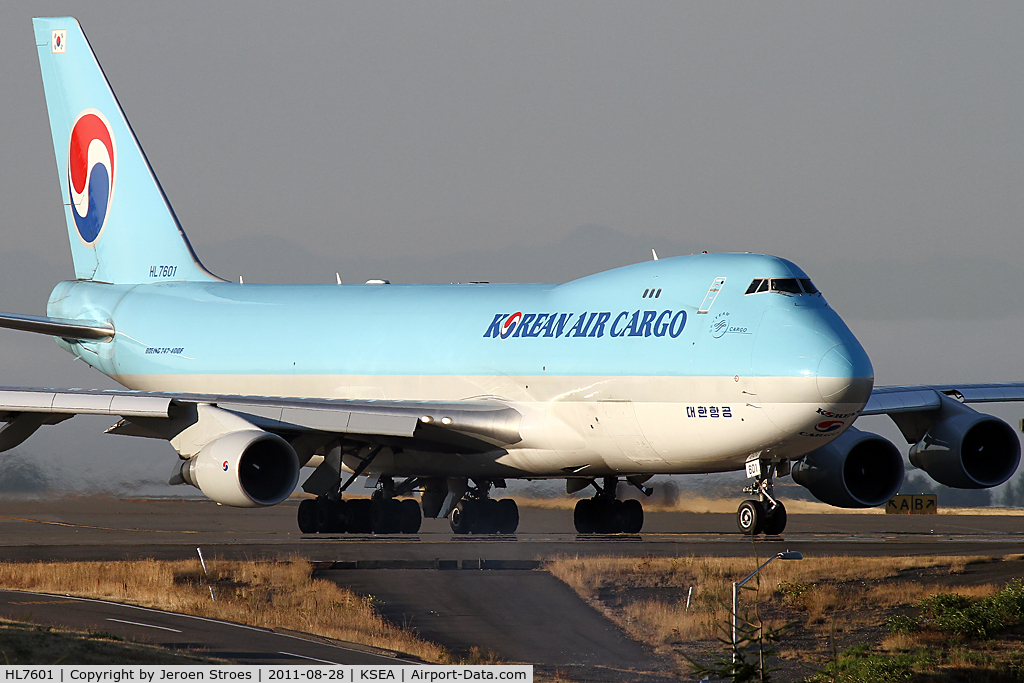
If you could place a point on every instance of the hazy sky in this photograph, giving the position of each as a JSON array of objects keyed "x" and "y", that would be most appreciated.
[{"x": 879, "y": 145}]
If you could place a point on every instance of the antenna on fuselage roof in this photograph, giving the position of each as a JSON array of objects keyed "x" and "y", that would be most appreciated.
[
  {"x": 654, "y": 254},
  {"x": 338, "y": 275}
]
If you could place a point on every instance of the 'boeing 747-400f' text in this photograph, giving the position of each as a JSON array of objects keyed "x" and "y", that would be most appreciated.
[{"x": 702, "y": 363}]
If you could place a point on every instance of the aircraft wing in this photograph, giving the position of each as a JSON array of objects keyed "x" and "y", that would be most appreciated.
[
  {"x": 479, "y": 425},
  {"x": 905, "y": 399}
]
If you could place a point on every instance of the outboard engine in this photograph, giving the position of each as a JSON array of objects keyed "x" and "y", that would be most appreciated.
[
  {"x": 856, "y": 470},
  {"x": 968, "y": 450}
]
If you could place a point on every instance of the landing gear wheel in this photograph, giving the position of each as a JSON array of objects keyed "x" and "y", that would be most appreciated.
[
  {"x": 329, "y": 516},
  {"x": 484, "y": 517},
  {"x": 584, "y": 517},
  {"x": 634, "y": 514},
  {"x": 614, "y": 517},
  {"x": 461, "y": 517},
  {"x": 409, "y": 516},
  {"x": 307, "y": 516},
  {"x": 358, "y": 515},
  {"x": 775, "y": 521},
  {"x": 508, "y": 516},
  {"x": 750, "y": 517},
  {"x": 384, "y": 515}
]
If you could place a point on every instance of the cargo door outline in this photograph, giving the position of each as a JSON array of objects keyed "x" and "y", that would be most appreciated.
[{"x": 621, "y": 427}]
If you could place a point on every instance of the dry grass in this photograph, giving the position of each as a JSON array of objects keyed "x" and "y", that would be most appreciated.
[
  {"x": 656, "y": 621},
  {"x": 905, "y": 593},
  {"x": 647, "y": 596},
  {"x": 901, "y": 642},
  {"x": 729, "y": 505},
  {"x": 586, "y": 575},
  {"x": 662, "y": 623},
  {"x": 269, "y": 594}
]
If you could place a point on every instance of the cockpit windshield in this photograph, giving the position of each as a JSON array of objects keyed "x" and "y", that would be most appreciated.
[
  {"x": 782, "y": 285},
  {"x": 786, "y": 285},
  {"x": 808, "y": 286}
]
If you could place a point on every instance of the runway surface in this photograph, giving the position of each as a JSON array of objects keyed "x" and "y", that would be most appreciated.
[
  {"x": 108, "y": 529},
  {"x": 236, "y": 643},
  {"x": 522, "y": 616}
]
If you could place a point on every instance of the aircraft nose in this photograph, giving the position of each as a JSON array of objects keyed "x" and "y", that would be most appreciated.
[
  {"x": 842, "y": 375},
  {"x": 817, "y": 351}
]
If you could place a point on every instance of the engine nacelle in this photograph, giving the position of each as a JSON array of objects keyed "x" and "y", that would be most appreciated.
[
  {"x": 968, "y": 450},
  {"x": 247, "y": 468},
  {"x": 857, "y": 470}
]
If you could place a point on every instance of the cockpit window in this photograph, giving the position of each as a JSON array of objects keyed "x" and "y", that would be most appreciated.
[
  {"x": 783, "y": 285},
  {"x": 808, "y": 286},
  {"x": 786, "y": 285}
]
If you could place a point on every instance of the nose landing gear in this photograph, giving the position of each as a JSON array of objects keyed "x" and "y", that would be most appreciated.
[
  {"x": 605, "y": 514},
  {"x": 766, "y": 514}
]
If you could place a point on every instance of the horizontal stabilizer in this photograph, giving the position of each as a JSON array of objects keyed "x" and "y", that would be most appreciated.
[{"x": 58, "y": 327}]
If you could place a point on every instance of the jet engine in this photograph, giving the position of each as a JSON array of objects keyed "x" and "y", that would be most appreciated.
[
  {"x": 857, "y": 470},
  {"x": 968, "y": 450},
  {"x": 247, "y": 468}
]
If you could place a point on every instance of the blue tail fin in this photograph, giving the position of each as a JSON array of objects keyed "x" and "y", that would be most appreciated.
[{"x": 121, "y": 226}]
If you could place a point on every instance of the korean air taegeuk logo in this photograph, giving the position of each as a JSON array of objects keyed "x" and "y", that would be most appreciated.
[{"x": 92, "y": 159}]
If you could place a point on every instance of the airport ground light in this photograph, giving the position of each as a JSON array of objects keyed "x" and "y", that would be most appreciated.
[
  {"x": 787, "y": 555},
  {"x": 749, "y": 643}
]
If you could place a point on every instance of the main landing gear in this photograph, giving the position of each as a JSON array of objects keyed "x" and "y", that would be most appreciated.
[
  {"x": 476, "y": 513},
  {"x": 382, "y": 513},
  {"x": 605, "y": 514},
  {"x": 765, "y": 515}
]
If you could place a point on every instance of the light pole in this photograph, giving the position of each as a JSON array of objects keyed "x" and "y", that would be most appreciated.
[{"x": 787, "y": 555}]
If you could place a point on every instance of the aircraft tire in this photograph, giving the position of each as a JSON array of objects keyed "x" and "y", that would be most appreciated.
[
  {"x": 615, "y": 517},
  {"x": 508, "y": 516},
  {"x": 385, "y": 515},
  {"x": 307, "y": 516},
  {"x": 775, "y": 521},
  {"x": 484, "y": 518},
  {"x": 340, "y": 516},
  {"x": 634, "y": 514},
  {"x": 584, "y": 516},
  {"x": 460, "y": 517},
  {"x": 750, "y": 517},
  {"x": 329, "y": 518},
  {"x": 357, "y": 515},
  {"x": 410, "y": 518}
]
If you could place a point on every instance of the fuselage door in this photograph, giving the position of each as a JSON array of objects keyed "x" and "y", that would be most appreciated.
[
  {"x": 619, "y": 424},
  {"x": 709, "y": 298}
]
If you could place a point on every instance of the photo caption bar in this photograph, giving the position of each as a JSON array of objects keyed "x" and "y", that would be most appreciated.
[{"x": 326, "y": 671}]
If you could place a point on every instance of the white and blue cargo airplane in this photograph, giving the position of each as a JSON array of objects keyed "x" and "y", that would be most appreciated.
[{"x": 703, "y": 363}]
